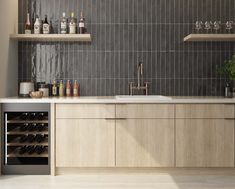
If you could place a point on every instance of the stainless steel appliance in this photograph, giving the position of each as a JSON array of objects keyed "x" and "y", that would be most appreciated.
[{"x": 25, "y": 140}]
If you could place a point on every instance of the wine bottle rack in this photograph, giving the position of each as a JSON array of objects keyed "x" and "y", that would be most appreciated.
[{"x": 28, "y": 131}]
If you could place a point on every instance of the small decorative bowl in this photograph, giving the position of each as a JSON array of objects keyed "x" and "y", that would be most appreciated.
[{"x": 36, "y": 94}]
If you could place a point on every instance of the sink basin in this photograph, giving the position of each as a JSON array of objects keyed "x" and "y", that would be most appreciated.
[{"x": 143, "y": 97}]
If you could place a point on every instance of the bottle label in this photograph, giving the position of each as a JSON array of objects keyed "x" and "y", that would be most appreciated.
[
  {"x": 28, "y": 32},
  {"x": 54, "y": 91},
  {"x": 72, "y": 28},
  {"x": 37, "y": 29},
  {"x": 68, "y": 92},
  {"x": 46, "y": 28},
  {"x": 81, "y": 25},
  {"x": 75, "y": 92},
  {"x": 63, "y": 27}
]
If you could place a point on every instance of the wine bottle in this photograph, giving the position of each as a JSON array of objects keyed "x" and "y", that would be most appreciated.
[
  {"x": 72, "y": 24},
  {"x": 63, "y": 24},
  {"x": 41, "y": 127},
  {"x": 23, "y": 149},
  {"x": 76, "y": 92},
  {"x": 40, "y": 149},
  {"x": 23, "y": 139},
  {"x": 37, "y": 26},
  {"x": 28, "y": 25},
  {"x": 39, "y": 138},
  {"x": 24, "y": 127},
  {"x": 31, "y": 138},
  {"x": 30, "y": 149},
  {"x": 32, "y": 127},
  {"x": 81, "y": 24},
  {"x": 61, "y": 88},
  {"x": 46, "y": 26},
  {"x": 54, "y": 88}
]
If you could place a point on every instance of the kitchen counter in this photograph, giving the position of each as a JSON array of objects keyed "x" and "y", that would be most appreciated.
[{"x": 114, "y": 100}]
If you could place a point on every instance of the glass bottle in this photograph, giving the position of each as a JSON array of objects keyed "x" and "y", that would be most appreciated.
[
  {"x": 81, "y": 24},
  {"x": 61, "y": 88},
  {"x": 72, "y": 24},
  {"x": 28, "y": 25},
  {"x": 37, "y": 26},
  {"x": 46, "y": 26},
  {"x": 63, "y": 24},
  {"x": 54, "y": 88},
  {"x": 76, "y": 89},
  {"x": 68, "y": 88}
]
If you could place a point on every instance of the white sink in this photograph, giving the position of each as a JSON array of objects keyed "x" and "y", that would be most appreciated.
[{"x": 143, "y": 97}]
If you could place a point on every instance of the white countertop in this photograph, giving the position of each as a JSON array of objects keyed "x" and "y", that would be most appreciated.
[{"x": 114, "y": 100}]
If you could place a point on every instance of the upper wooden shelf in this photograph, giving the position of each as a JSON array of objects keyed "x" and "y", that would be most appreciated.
[
  {"x": 52, "y": 37},
  {"x": 210, "y": 37}
]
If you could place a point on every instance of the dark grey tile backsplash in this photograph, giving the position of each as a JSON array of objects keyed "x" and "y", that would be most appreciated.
[{"x": 125, "y": 32}]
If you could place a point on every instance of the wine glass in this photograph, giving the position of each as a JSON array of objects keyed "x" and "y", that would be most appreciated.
[
  {"x": 217, "y": 26},
  {"x": 229, "y": 26},
  {"x": 198, "y": 26},
  {"x": 208, "y": 26}
]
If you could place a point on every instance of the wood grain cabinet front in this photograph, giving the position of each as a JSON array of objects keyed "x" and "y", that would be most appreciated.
[
  {"x": 85, "y": 143},
  {"x": 205, "y": 135},
  {"x": 145, "y": 143}
]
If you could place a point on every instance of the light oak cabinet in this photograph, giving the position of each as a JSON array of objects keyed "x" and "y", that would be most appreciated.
[
  {"x": 84, "y": 136},
  {"x": 145, "y": 143},
  {"x": 204, "y": 135},
  {"x": 145, "y": 135}
]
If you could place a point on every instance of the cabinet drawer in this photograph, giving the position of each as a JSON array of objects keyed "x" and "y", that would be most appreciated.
[
  {"x": 73, "y": 111},
  {"x": 205, "y": 111},
  {"x": 145, "y": 111}
]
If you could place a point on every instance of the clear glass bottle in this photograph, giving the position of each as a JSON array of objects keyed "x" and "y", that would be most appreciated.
[
  {"x": 37, "y": 26},
  {"x": 72, "y": 24},
  {"x": 61, "y": 88},
  {"x": 46, "y": 26},
  {"x": 54, "y": 88},
  {"x": 63, "y": 24},
  {"x": 28, "y": 25}
]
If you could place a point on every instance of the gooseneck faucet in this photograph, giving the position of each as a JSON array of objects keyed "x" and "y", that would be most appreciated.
[{"x": 142, "y": 87}]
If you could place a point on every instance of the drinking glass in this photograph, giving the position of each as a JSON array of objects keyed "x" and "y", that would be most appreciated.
[
  {"x": 217, "y": 26},
  {"x": 208, "y": 26},
  {"x": 198, "y": 26},
  {"x": 229, "y": 26}
]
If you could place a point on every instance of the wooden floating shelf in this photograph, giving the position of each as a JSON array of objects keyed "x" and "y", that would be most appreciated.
[
  {"x": 52, "y": 37},
  {"x": 210, "y": 37}
]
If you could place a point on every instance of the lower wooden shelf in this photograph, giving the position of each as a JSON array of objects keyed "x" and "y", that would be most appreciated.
[{"x": 210, "y": 37}]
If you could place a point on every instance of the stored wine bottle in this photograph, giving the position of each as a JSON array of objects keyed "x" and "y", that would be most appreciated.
[
  {"x": 23, "y": 139},
  {"x": 63, "y": 24},
  {"x": 41, "y": 127},
  {"x": 37, "y": 26},
  {"x": 72, "y": 24},
  {"x": 32, "y": 127},
  {"x": 30, "y": 149},
  {"x": 41, "y": 116},
  {"x": 31, "y": 138},
  {"x": 81, "y": 24},
  {"x": 76, "y": 92},
  {"x": 46, "y": 26},
  {"x": 24, "y": 116},
  {"x": 28, "y": 25},
  {"x": 24, "y": 127},
  {"x": 40, "y": 149},
  {"x": 39, "y": 138},
  {"x": 23, "y": 149}
]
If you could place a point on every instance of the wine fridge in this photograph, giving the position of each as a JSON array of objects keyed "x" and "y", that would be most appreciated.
[{"x": 25, "y": 140}]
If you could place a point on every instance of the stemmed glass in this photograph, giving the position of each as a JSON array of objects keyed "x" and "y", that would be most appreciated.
[
  {"x": 208, "y": 26},
  {"x": 229, "y": 26},
  {"x": 198, "y": 26},
  {"x": 217, "y": 26}
]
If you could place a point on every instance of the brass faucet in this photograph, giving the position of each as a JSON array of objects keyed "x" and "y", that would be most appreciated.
[{"x": 142, "y": 87}]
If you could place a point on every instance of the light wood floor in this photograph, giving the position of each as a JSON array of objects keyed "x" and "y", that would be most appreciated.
[{"x": 133, "y": 181}]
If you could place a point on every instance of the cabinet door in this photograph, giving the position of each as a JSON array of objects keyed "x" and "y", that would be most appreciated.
[
  {"x": 145, "y": 143},
  {"x": 204, "y": 143},
  {"x": 85, "y": 143}
]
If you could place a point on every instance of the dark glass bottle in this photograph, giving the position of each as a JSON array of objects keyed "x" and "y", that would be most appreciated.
[{"x": 81, "y": 24}]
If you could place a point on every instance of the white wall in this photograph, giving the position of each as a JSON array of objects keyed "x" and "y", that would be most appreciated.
[{"x": 8, "y": 49}]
